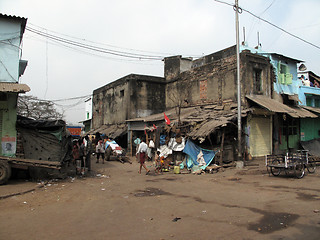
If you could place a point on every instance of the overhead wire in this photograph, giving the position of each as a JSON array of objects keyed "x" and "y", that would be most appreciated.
[
  {"x": 60, "y": 44},
  {"x": 95, "y": 48},
  {"x": 272, "y": 24},
  {"x": 105, "y": 44}
]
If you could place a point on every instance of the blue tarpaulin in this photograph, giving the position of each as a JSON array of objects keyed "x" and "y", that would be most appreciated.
[{"x": 193, "y": 151}]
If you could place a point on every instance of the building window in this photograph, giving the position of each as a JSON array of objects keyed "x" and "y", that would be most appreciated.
[
  {"x": 285, "y": 77},
  {"x": 309, "y": 101},
  {"x": 122, "y": 93},
  {"x": 257, "y": 80},
  {"x": 289, "y": 126}
]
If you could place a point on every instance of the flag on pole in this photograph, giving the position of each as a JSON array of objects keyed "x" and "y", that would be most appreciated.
[{"x": 166, "y": 119}]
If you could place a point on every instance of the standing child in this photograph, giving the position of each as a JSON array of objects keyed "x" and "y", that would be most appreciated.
[{"x": 100, "y": 150}]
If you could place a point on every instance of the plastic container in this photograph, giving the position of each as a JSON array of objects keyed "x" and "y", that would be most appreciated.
[{"x": 176, "y": 169}]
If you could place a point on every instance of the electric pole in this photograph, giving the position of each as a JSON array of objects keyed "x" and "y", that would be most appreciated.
[{"x": 239, "y": 160}]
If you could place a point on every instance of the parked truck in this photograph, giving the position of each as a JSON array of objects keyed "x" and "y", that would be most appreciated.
[{"x": 41, "y": 147}]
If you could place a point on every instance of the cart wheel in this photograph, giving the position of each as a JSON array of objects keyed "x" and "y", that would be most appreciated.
[
  {"x": 299, "y": 169},
  {"x": 275, "y": 170},
  {"x": 5, "y": 172},
  {"x": 311, "y": 166}
]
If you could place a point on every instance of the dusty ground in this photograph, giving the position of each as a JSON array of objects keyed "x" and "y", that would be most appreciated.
[{"x": 121, "y": 204}]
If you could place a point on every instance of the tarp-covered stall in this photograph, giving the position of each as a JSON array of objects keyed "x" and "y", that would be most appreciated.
[{"x": 44, "y": 139}]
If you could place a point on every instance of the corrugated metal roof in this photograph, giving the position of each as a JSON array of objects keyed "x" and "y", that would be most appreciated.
[
  {"x": 111, "y": 130},
  {"x": 207, "y": 117},
  {"x": 14, "y": 87},
  {"x": 278, "y": 107},
  {"x": 270, "y": 104},
  {"x": 312, "y": 109},
  {"x": 21, "y": 19},
  {"x": 218, "y": 119},
  {"x": 302, "y": 113}
]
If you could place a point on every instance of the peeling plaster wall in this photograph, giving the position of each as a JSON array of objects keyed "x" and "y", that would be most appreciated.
[
  {"x": 129, "y": 97},
  {"x": 216, "y": 81}
]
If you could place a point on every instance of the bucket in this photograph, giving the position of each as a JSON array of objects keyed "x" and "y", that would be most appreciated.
[{"x": 176, "y": 169}]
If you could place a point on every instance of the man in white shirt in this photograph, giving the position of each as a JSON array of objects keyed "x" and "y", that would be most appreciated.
[{"x": 142, "y": 150}]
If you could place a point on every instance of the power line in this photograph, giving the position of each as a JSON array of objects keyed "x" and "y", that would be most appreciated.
[
  {"x": 72, "y": 98},
  {"x": 109, "y": 45},
  {"x": 60, "y": 44},
  {"x": 266, "y": 21},
  {"x": 95, "y": 48}
]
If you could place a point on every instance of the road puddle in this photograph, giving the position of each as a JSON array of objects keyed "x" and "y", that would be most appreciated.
[{"x": 272, "y": 221}]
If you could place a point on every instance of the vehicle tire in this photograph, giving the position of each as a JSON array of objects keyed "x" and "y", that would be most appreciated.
[
  {"x": 299, "y": 170},
  {"x": 275, "y": 170},
  {"x": 311, "y": 167},
  {"x": 5, "y": 172}
]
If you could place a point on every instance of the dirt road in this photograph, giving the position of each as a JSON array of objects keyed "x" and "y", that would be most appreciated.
[{"x": 118, "y": 203}]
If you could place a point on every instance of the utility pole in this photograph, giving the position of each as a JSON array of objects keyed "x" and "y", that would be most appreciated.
[{"x": 239, "y": 160}]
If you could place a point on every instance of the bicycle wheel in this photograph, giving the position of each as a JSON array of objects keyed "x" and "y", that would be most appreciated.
[
  {"x": 299, "y": 169},
  {"x": 311, "y": 167},
  {"x": 275, "y": 170}
]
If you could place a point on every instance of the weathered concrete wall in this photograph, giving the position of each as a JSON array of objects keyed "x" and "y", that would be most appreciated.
[
  {"x": 216, "y": 81},
  {"x": 175, "y": 65},
  {"x": 129, "y": 97}
]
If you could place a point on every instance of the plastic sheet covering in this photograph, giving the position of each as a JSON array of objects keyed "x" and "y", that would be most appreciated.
[
  {"x": 164, "y": 151},
  {"x": 193, "y": 152},
  {"x": 313, "y": 146},
  {"x": 44, "y": 140},
  {"x": 176, "y": 146}
]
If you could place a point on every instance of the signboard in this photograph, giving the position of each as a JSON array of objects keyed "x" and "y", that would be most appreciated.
[{"x": 75, "y": 131}]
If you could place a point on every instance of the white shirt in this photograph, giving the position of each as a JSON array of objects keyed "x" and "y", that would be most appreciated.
[{"x": 142, "y": 147}]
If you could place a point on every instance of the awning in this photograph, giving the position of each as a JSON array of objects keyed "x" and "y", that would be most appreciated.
[
  {"x": 111, "y": 130},
  {"x": 14, "y": 87},
  {"x": 278, "y": 107},
  {"x": 312, "y": 109},
  {"x": 270, "y": 104},
  {"x": 208, "y": 126},
  {"x": 301, "y": 113}
]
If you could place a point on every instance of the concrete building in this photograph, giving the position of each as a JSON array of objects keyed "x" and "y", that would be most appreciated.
[
  {"x": 11, "y": 68},
  {"x": 129, "y": 97}
]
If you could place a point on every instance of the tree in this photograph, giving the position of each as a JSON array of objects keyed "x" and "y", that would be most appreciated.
[
  {"x": 35, "y": 108},
  {"x": 179, "y": 96}
]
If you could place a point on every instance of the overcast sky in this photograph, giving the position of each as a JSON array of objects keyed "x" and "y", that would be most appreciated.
[{"x": 147, "y": 27}]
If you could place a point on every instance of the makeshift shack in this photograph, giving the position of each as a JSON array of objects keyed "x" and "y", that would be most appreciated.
[{"x": 45, "y": 140}]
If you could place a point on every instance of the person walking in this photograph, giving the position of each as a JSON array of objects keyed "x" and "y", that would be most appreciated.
[{"x": 142, "y": 149}]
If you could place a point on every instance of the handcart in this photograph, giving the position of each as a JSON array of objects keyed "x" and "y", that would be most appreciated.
[{"x": 295, "y": 162}]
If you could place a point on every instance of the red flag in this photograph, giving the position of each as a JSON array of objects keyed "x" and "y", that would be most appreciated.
[{"x": 166, "y": 119}]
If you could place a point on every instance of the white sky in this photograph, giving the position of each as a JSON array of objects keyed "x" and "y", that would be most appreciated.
[{"x": 168, "y": 27}]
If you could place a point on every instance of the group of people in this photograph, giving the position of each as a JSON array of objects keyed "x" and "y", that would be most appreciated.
[
  {"x": 141, "y": 154},
  {"x": 82, "y": 150},
  {"x": 103, "y": 150},
  {"x": 308, "y": 83},
  {"x": 81, "y": 153}
]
